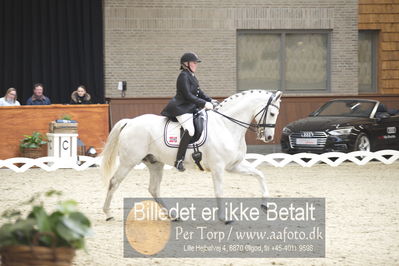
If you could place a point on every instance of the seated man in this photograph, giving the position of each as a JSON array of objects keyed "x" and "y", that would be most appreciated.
[{"x": 38, "y": 97}]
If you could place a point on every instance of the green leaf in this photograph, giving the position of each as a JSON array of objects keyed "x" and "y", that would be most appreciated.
[
  {"x": 53, "y": 192},
  {"x": 80, "y": 217},
  {"x": 17, "y": 233},
  {"x": 6, "y": 234},
  {"x": 75, "y": 226},
  {"x": 79, "y": 244},
  {"x": 31, "y": 200},
  {"x": 23, "y": 225},
  {"x": 43, "y": 224},
  {"x": 66, "y": 233},
  {"x": 35, "y": 139},
  {"x": 54, "y": 219},
  {"x": 10, "y": 213},
  {"x": 67, "y": 206},
  {"x": 42, "y": 219}
]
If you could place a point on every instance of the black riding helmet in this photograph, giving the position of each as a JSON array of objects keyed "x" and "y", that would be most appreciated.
[{"x": 189, "y": 57}]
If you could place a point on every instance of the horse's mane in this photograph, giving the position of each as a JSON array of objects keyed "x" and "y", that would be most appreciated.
[{"x": 233, "y": 98}]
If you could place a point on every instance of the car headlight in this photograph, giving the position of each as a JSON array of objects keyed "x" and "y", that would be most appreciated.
[
  {"x": 287, "y": 131},
  {"x": 341, "y": 131}
]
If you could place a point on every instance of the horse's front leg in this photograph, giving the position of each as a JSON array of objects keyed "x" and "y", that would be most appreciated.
[
  {"x": 246, "y": 168},
  {"x": 217, "y": 176}
]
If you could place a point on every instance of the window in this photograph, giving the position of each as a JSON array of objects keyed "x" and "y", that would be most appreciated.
[
  {"x": 367, "y": 54},
  {"x": 291, "y": 61}
]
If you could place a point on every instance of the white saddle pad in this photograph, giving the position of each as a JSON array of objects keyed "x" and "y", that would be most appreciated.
[{"x": 172, "y": 134}]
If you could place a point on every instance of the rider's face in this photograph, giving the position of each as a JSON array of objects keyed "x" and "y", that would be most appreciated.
[
  {"x": 193, "y": 66},
  {"x": 38, "y": 91}
]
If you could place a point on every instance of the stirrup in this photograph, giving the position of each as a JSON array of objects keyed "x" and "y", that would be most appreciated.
[{"x": 180, "y": 165}]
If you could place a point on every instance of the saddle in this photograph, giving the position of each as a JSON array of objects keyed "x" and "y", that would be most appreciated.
[{"x": 173, "y": 131}]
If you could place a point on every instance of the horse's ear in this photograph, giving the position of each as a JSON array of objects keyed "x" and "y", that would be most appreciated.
[{"x": 277, "y": 96}]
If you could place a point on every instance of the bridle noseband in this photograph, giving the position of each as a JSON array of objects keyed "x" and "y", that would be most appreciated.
[{"x": 260, "y": 127}]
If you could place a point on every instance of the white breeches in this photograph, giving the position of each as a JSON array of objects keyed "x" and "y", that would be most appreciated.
[{"x": 186, "y": 121}]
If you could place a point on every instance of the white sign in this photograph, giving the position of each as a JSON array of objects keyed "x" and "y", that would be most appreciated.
[
  {"x": 306, "y": 141},
  {"x": 391, "y": 130}
]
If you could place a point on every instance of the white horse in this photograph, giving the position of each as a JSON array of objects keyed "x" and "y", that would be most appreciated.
[{"x": 140, "y": 140}]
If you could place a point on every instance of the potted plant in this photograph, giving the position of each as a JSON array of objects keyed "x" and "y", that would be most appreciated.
[
  {"x": 42, "y": 237},
  {"x": 31, "y": 145}
]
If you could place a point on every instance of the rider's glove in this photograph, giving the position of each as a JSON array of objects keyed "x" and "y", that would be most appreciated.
[
  {"x": 208, "y": 106},
  {"x": 215, "y": 102}
]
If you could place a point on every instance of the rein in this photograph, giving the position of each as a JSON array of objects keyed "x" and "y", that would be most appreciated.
[
  {"x": 238, "y": 122},
  {"x": 262, "y": 121}
]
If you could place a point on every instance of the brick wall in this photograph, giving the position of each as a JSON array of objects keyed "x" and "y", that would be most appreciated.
[
  {"x": 145, "y": 39},
  {"x": 384, "y": 16}
]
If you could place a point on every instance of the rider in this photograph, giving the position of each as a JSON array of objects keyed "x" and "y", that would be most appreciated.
[{"x": 189, "y": 99}]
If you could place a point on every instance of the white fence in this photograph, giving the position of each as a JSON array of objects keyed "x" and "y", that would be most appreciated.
[{"x": 275, "y": 159}]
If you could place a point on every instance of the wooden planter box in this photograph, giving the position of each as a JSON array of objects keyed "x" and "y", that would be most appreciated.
[
  {"x": 36, "y": 255},
  {"x": 34, "y": 152}
]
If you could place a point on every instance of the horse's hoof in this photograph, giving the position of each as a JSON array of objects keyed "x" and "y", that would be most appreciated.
[
  {"x": 264, "y": 208},
  {"x": 228, "y": 222},
  {"x": 109, "y": 219}
]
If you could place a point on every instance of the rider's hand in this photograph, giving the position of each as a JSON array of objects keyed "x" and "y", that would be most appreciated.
[
  {"x": 215, "y": 102},
  {"x": 208, "y": 106}
]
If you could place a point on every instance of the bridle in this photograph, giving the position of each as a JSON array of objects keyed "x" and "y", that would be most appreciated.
[{"x": 260, "y": 127}]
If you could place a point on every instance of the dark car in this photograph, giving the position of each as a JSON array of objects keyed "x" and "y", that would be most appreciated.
[{"x": 343, "y": 125}]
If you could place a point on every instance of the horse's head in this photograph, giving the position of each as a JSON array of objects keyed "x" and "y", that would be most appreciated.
[{"x": 266, "y": 117}]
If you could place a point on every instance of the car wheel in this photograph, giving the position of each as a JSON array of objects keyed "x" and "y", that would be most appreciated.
[{"x": 362, "y": 143}]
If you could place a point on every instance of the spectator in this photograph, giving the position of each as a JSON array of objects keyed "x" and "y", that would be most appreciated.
[
  {"x": 80, "y": 96},
  {"x": 10, "y": 99},
  {"x": 38, "y": 98}
]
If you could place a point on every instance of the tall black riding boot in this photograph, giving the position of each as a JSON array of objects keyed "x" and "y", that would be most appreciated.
[{"x": 181, "y": 152}]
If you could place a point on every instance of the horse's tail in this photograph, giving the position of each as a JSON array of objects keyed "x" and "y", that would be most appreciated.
[{"x": 108, "y": 163}]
